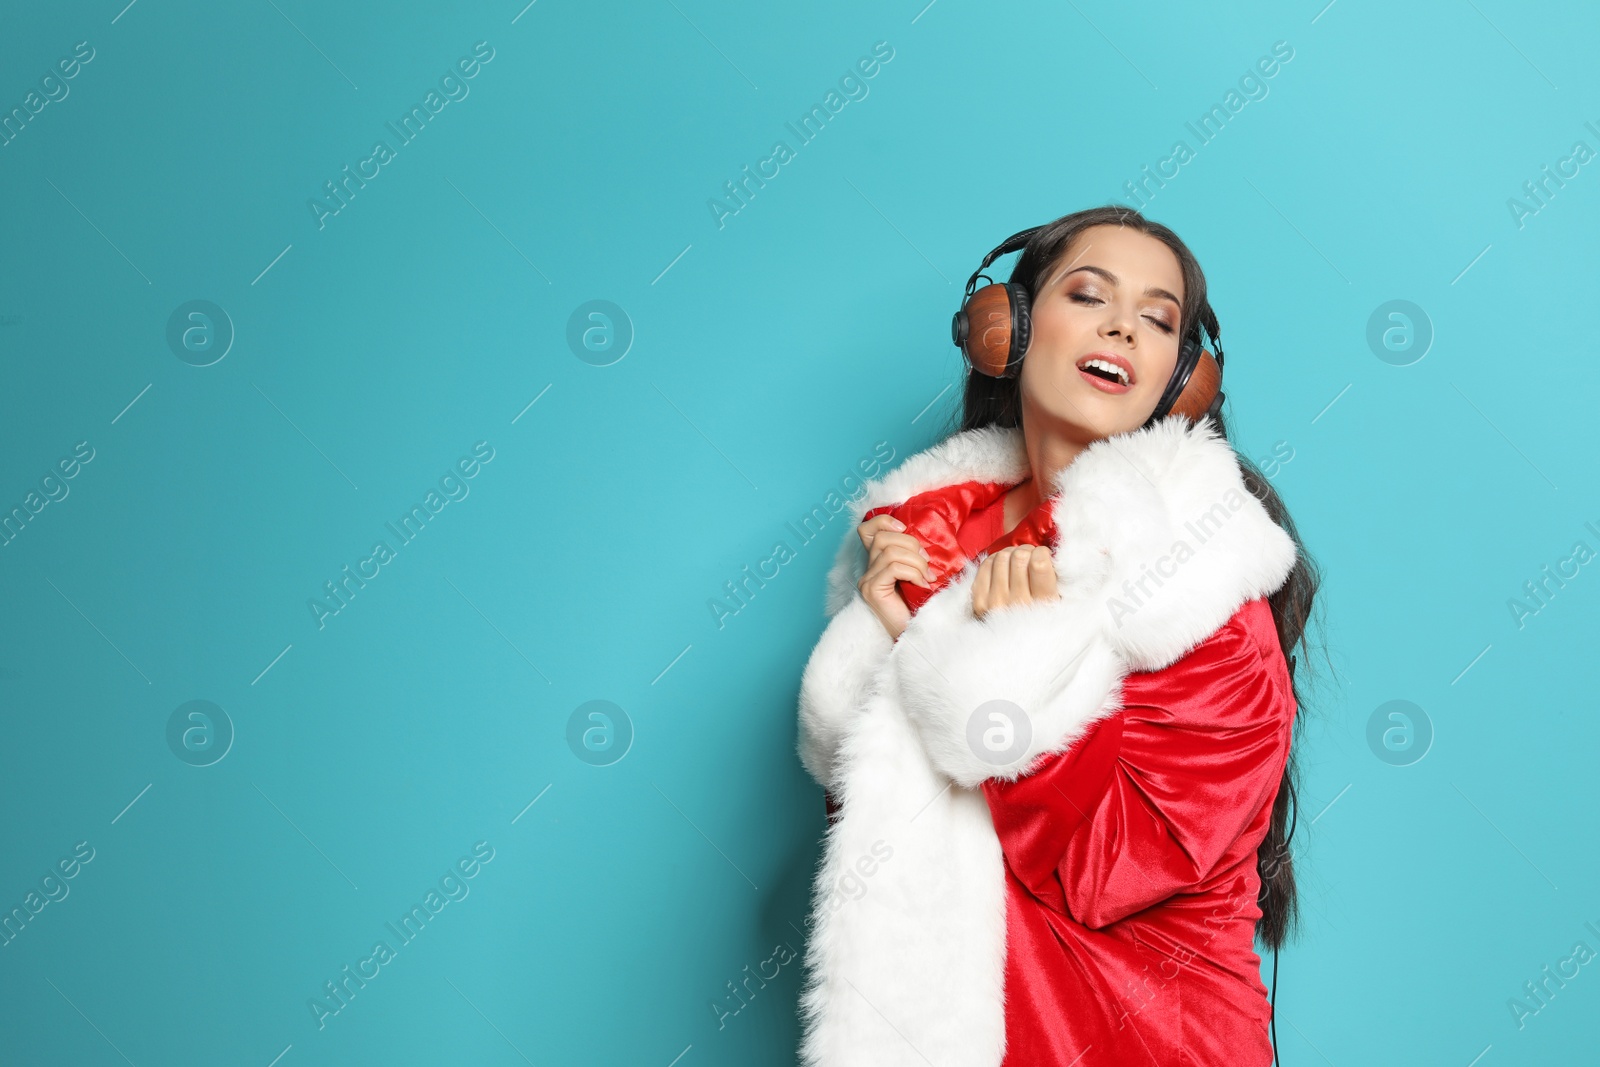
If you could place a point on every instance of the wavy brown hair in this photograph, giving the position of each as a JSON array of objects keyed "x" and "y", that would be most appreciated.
[{"x": 997, "y": 402}]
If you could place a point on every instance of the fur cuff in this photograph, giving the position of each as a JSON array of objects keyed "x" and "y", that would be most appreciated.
[{"x": 991, "y": 696}]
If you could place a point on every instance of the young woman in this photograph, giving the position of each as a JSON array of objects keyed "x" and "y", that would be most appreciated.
[{"x": 1053, "y": 705}]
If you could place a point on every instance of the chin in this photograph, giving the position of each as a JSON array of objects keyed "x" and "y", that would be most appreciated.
[{"x": 1097, "y": 415}]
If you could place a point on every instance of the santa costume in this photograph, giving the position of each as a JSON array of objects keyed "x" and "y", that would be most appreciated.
[{"x": 1044, "y": 823}]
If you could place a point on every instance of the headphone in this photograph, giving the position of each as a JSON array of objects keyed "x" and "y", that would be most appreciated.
[{"x": 995, "y": 325}]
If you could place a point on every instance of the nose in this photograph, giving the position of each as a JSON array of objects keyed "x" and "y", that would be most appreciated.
[{"x": 1118, "y": 323}]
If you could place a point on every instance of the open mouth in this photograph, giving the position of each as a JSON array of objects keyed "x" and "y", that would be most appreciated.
[{"x": 1110, "y": 375}]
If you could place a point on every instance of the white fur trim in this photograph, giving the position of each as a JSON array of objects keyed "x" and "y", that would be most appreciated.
[
  {"x": 835, "y": 684},
  {"x": 913, "y": 971},
  {"x": 1041, "y": 672}
]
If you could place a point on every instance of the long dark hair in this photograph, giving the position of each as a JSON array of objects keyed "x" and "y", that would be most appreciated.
[{"x": 997, "y": 402}]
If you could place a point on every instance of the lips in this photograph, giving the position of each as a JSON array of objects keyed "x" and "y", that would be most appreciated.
[{"x": 1107, "y": 372}]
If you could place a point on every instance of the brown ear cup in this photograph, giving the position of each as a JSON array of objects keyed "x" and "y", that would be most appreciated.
[
  {"x": 1204, "y": 387},
  {"x": 992, "y": 329}
]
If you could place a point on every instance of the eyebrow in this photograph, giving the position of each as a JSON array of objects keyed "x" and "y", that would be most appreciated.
[{"x": 1114, "y": 280}]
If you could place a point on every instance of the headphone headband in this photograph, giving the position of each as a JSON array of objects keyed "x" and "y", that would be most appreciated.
[{"x": 1010, "y": 244}]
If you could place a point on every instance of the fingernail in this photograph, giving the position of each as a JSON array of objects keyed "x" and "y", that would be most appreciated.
[{"x": 896, "y": 523}]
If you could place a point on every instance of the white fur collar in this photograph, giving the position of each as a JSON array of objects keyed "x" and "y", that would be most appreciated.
[
  {"x": 1147, "y": 500},
  {"x": 1159, "y": 543}
]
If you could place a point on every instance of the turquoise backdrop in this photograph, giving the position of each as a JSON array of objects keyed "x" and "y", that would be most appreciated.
[{"x": 523, "y": 348}]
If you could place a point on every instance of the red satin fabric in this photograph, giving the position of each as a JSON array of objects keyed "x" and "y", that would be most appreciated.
[
  {"x": 1131, "y": 866},
  {"x": 1131, "y": 879}
]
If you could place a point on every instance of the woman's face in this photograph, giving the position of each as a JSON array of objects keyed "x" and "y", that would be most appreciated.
[{"x": 1111, "y": 302}]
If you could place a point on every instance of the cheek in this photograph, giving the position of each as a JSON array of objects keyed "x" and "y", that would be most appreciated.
[
  {"x": 1048, "y": 363},
  {"x": 1159, "y": 372},
  {"x": 1054, "y": 325}
]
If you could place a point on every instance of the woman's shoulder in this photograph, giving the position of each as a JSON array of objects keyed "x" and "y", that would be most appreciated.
[
  {"x": 1237, "y": 674},
  {"x": 1252, "y": 625},
  {"x": 1250, "y": 631}
]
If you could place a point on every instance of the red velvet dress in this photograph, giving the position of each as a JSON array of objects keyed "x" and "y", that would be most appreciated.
[{"x": 1131, "y": 881}]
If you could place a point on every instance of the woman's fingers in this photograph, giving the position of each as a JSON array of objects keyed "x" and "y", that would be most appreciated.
[
  {"x": 889, "y": 544},
  {"x": 880, "y": 578},
  {"x": 1042, "y": 574},
  {"x": 900, "y": 553},
  {"x": 890, "y": 538},
  {"x": 991, "y": 588},
  {"x": 892, "y": 556},
  {"x": 905, "y": 571},
  {"x": 1000, "y": 593},
  {"x": 877, "y": 588},
  {"x": 1017, "y": 568},
  {"x": 889, "y": 570},
  {"x": 980, "y": 587},
  {"x": 1020, "y": 574},
  {"x": 876, "y": 524}
]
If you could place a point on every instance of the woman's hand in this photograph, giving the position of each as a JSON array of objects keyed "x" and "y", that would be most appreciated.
[
  {"x": 892, "y": 555},
  {"x": 1017, "y": 575}
]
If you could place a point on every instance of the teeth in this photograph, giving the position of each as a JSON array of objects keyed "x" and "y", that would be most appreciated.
[{"x": 1109, "y": 367}]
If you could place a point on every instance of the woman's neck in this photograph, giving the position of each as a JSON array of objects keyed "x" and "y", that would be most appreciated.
[{"x": 1048, "y": 455}]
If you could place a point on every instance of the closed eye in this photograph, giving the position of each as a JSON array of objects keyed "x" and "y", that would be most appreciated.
[{"x": 1085, "y": 298}]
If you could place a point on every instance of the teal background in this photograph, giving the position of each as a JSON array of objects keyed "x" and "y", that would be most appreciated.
[{"x": 769, "y": 356}]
